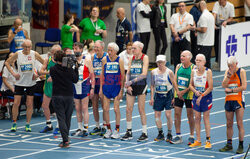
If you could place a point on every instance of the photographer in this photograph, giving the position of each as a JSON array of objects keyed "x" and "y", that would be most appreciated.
[{"x": 62, "y": 93}]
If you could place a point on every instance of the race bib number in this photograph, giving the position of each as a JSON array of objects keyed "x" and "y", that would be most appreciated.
[
  {"x": 232, "y": 86},
  {"x": 26, "y": 67},
  {"x": 98, "y": 71},
  {"x": 80, "y": 77},
  {"x": 182, "y": 82},
  {"x": 112, "y": 67},
  {"x": 200, "y": 89},
  {"x": 161, "y": 88}
]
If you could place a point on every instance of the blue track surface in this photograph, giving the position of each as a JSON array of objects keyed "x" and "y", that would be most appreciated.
[{"x": 36, "y": 145}]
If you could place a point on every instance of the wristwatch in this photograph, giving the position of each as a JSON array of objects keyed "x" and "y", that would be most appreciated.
[{"x": 14, "y": 32}]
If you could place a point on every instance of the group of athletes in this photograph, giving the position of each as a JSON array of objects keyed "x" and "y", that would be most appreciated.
[{"x": 103, "y": 77}]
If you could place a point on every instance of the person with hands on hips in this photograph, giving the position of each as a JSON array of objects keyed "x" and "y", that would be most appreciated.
[
  {"x": 201, "y": 84},
  {"x": 25, "y": 79},
  {"x": 112, "y": 81},
  {"x": 162, "y": 95}
]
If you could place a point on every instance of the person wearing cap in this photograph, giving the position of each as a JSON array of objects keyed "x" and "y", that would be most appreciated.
[
  {"x": 162, "y": 95},
  {"x": 201, "y": 84}
]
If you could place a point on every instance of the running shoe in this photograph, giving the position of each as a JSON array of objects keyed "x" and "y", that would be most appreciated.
[
  {"x": 27, "y": 128},
  {"x": 115, "y": 135},
  {"x": 160, "y": 137},
  {"x": 107, "y": 134},
  {"x": 142, "y": 138},
  {"x": 84, "y": 133},
  {"x": 64, "y": 144},
  {"x": 195, "y": 144},
  {"x": 228, "y": 147},
  {"x": 77, "y": 133},
  {"x": 169, "y": 137},
  {"x": 190, "y": 140},
  {"x": 95, "y": 131},
  {"x": 13, "y": 128},
  {"x": 176, "y": 140},
  {"x": 103, "y": 131},
  {"x": 127, "y": 136},
  {"x": 56, "y": 131},
  {"x": 208, "y": 145},
  {"x": 46, "y": 129},
  {"x": 240, "y": 150}
]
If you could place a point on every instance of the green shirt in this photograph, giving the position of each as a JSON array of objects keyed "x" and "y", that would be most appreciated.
[
  {"x": 48, "y": 85},
  {"x": 66, "y": 37},
  {"x": 183, "y": 80},
  {"x": 89, "y": 29}
]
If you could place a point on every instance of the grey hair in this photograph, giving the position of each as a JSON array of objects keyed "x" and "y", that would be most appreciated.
[
  {"x": 202, "y": 56},
  {"x": 114, "y": 46},
  {"x": 27, "y": 40},
  {"x": 190, "y": 55},
  {"x": 139, "y": 44},
  {"x": 55, "y": 47},
  {"x": 232, "y": 60},
  {"x": 101, "y": 42}
]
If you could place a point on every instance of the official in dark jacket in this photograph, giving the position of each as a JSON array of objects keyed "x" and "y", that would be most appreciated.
[{"x": 159, "y": 23}]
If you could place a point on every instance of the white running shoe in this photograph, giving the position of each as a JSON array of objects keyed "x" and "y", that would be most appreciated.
[
  {"x": 115, "y": 135},
  {"x": 107, "y": 134}
]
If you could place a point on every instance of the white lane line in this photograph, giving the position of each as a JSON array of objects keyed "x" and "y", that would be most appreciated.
[
  {"x": 218, "y": 142},
  {"x": 154, "y": 141},
  {"x": 133, "y": 131},
  {"x": 100, "y": 111}
]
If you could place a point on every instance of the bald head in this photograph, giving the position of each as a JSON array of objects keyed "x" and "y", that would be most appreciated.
[
  {"x": 18, "y": 22},
  {"x": 120, "y": 13}
]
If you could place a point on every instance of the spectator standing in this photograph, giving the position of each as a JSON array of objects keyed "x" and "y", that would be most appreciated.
[
  {"x": 180, "y": 24},
  {"x": 68, "y": 30},
  {"x": 123, "y": 30},
  {"x": 196, "y": 13},
  {"x": 93, "y": 27},
  {"x": 205, "y": 33},
  {"x": 223, "y": 13},
  {"x": 159, "y": 23},
  {"x": 16, "y": 36},
  {"x": 143, "y": 12}
]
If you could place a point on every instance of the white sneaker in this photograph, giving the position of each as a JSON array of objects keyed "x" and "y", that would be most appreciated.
[
  {"x": 115, "y": 135},
  {"x": 107, "y": 134}
]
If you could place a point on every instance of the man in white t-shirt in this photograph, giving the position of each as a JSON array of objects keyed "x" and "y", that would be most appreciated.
[
  {"x": 223, "y": 13},
  {"x": 205, "y": 33},
  {"x": 143, "y": 12},
  {"x": 247, "y": 10},
  {"x": 180, "y": 24}
]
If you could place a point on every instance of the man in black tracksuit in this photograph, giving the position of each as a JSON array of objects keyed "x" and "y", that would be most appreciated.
[{"x": 62, "y": 94}]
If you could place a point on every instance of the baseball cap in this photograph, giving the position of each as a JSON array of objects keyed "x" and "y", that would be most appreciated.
[{"x": 160, "y": 58}]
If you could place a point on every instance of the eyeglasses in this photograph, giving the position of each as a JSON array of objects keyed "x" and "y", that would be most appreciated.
[{"x": 133, "y": 48}]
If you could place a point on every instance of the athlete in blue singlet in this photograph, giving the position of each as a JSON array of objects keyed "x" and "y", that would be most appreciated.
[
  {"x": 97, "y": 66},
  {"x": 112, "y": 80}
]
